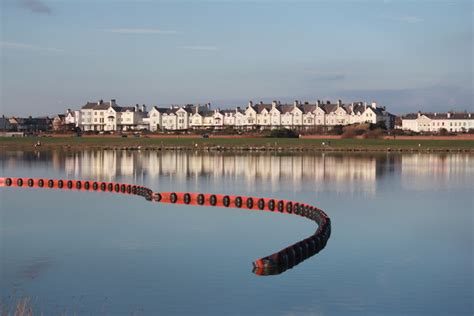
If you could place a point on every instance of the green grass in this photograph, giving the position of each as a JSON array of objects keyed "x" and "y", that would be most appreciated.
[{"x": 375, "y": 144}]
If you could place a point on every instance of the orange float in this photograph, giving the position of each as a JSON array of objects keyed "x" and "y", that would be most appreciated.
[{"x": 273, "y": 264}]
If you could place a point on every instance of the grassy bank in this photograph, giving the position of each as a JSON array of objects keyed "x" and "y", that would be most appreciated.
[{"x": 216, "y": 143}]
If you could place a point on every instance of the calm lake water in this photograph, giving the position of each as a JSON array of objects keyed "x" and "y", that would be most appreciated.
[{"x": 401, "y": 243}]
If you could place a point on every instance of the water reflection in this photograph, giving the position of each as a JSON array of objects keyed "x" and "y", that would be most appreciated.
[
  {"x": 346, "y": 173},
  {"x": 384, "y": 254},
  {"x": 420, "y": 170},
  {"x": 273, "y": 264}
]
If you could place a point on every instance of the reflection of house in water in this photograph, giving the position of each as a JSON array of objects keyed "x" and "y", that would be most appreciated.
[
  {"x": 341, "y": 172},
  {"x": 100, "y": 164},
  {"x": 437, "y": 169},
  {"x": 313, "y": 172}
]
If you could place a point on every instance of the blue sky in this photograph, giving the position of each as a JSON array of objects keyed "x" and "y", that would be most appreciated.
[{"x": 407, "y": 55}]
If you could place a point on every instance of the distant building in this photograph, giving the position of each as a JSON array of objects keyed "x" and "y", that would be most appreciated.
[
  {"x": 5, "y": 124},
  {"x": 108, "y": 116},
  {"x": 59, "y": 122},
  {"x": 434, "y": 122},
  {"x": 30, "y": 124},
  {"x": 72, "y": 118}
]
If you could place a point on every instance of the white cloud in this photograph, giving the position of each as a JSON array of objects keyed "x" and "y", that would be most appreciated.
[
  {"x": 16, "y": 45},
  {"x": 139, "y": 31},
  {"x": 200, "y": 47}
]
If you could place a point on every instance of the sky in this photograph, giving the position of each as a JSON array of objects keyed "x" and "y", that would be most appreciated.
[{"x": 406, "y": 55}]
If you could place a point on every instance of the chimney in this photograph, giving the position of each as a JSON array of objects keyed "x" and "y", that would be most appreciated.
[
  {"x": 274, "y": 104},
  {"x": 449, "y": 115},
  {"x": 136, "y": 107},
  {"x": 419, "y": 114},
  {"x": 469, "y": 115},
  {"x": 328, "y": 102},
  {"x": 112, "y": 102},
  {"x": 197, "y": 109},
  {"x": 296, "y": 103},
  {"x": 434, "y": 113},
  {"x": 374, "y": 104},
  {"x": 208, "y": 106},
  {"x": 250, "y": 103},
  {"x": 261, "y": 102},
  {"x": 143, "y": 108},
  {"x": 100, "y": 102},
  {"x": 339, "y": 103},
  {"x": 319, "y": 102}
]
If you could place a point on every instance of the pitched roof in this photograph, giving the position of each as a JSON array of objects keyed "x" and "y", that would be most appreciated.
[
  {"x": 227, "y": 111},
  {"x": 441, "y": 116},
  {"x": 329, "y": 108},
  {"x": 355, "y": 108},
  {"x": 261, "y": 106},
  {"x": 89, "y": 106},
  {"x": 308, "y": 108},
  {"x": 96, "y": 105},
  {"x": 206, "y": 113},
  {"x": 285, "y": 108},
  {"x": 161, "y": 110},
  {"x": 124, "y": 108}
]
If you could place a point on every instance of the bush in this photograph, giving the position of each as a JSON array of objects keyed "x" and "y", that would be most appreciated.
[
  {"x": 443, "y": 132},
  {"x": 351, "y": 131},
  {"x": 336, "y": 130},
  {"x": 283, "y": 133},
  {"x": 378, "y": 125},
  {"x": 374, "y": 134}
]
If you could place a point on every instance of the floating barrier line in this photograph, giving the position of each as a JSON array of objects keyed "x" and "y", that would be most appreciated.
[{"x": 273, "y": 264}]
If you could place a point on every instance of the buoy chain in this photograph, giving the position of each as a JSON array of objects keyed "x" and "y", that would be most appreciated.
[{"x": 272, "y": 264}]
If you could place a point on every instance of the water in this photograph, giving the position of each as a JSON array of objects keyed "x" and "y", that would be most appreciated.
[{"x": 401, "y": 242}]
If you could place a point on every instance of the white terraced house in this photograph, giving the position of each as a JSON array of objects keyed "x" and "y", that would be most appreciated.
[
  {"x": 109, "y": 116},
  {"x": 434, "y": 122},
  {"x": 306, "y": 115},
  {"x": 102, "y": 116},
  {"x": 73, "y": 118}
]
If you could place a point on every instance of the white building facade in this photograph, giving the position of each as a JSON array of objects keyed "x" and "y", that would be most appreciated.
[
  {"x": 108, "y": 116},
  {"x": 434, "y": 122}
]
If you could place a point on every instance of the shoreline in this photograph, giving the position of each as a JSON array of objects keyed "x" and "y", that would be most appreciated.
[{"x": 241, "y": 144}]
